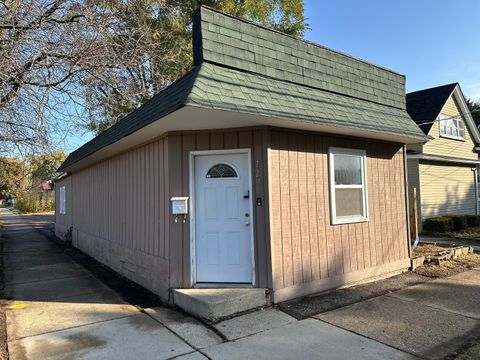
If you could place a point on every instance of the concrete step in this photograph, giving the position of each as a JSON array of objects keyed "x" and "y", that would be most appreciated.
[{"x": 214, "y": 304}]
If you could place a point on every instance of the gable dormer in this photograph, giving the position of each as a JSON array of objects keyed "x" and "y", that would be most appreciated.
[{"x": 443, "y": 115}]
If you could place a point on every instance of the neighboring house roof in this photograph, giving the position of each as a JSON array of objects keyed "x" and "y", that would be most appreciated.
[
  {"x": 47, "y": 185},
  {"x": 442, "y": 158},
  {"x": 424, "y": 106},
  {"x": 243, "y": 67}
]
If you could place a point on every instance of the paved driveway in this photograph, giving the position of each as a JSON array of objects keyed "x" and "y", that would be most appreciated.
[
  {"x": 431, "y": 320},
  {"x": 59, "y": 310}
]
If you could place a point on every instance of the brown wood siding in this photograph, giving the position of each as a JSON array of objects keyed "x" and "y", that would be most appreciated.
[
  {"x": 179, "y": 147},
  {"x": 122, "y": 211},
  {"x": 122, "y": 214},
  {"x": 306, "y": 249},
  {"x": 119, "y": 214}
]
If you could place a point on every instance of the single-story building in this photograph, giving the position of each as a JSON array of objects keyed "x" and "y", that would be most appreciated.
[
  {"x": 273, "y": 163},
  {"x": 444, "y": 169}
]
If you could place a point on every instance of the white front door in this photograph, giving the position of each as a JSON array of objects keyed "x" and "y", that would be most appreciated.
[{"x": 223, "y": 237}]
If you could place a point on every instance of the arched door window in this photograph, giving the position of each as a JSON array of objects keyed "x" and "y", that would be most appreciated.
[{"x": 221, "y": 171}]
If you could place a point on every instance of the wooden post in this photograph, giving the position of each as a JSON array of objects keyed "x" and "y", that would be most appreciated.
[{"x": 414, "y": 219}]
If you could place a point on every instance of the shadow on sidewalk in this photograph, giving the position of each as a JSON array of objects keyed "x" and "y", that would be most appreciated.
[{"x": 30, "y": 250}]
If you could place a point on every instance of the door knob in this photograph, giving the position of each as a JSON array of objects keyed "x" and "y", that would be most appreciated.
[{"x": 247, "y": 223}]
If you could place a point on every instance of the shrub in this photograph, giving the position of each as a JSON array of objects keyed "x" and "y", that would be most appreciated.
[
  {"x": 459, "y": 222},
  {"x": 439, "y": 224},
  {"x": 473, "y": 220},
  {"x": 29, "y": 204}
]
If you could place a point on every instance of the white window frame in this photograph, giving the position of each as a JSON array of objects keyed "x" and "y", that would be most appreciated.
[
  {"x": 63, "y": 200},
  {"x": 443, "y": 129},
  {"x": 332, "y": 151}
]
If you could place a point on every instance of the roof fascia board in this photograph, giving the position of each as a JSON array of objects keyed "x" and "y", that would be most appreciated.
[
  {"x": 443, "y": 159},
  {"x": 214, "y": 120},
  {"x": 60, "y": 177},
  {"x": 465, "y": 112}
]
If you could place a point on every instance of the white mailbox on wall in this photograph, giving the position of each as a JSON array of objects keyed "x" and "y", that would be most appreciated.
[{"x": 179, "y": 205}]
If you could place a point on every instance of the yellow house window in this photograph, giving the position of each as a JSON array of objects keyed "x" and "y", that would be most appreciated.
[{"x": 452, "y": 127}]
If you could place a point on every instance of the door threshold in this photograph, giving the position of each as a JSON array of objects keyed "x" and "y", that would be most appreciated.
[{"x": 222, "y": 285}]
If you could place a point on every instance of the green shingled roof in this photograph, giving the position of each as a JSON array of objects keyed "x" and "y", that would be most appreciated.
[
  {"x": 344, "y": 92},
  {"x": 222, "y": 88},
  {"x": 226, "y": 40},
  {"x": 165, "y": 102}
]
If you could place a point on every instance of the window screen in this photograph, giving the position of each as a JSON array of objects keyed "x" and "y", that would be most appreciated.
[{"x": 348, "y": 188}]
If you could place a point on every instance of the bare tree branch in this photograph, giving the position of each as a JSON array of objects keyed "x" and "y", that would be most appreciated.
[{"x": 72, "y": 65}]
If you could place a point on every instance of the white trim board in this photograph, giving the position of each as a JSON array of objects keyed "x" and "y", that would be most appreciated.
[
  {"x": 443, "y": 159},
  {"x": 332, "y": 151},
  {"x": 464, "y": 113},
  {"x": 210, "y": 119}
]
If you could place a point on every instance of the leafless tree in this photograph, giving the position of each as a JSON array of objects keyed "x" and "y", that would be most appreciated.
[
  {"x": 59, "y": 59},
  {"x": 67, "y": 65}
]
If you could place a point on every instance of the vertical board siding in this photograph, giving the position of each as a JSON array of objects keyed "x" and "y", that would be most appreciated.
[
  {"x": 311, "y": 195},
  {"x": 306, "y": 247},
  {"x": 179, "y": 148},
  {"x": 117, "y": 215},
  {"x": 122, "y": 211},
  {"x": 176, "y": 238}
]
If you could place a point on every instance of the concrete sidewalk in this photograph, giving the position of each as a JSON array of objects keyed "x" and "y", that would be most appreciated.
[
  {"x": 59, "y": 309},
  {"x": 432, "y": 320}
]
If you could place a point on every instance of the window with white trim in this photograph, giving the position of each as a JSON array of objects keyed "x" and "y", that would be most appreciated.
[
  {"x": 62, "y": 199},
  {"x": 348, "y": 189},
  {"x": 452, "y": 127}
]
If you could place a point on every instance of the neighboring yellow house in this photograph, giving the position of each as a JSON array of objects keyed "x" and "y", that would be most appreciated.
[{"x": 444, "y": 169}]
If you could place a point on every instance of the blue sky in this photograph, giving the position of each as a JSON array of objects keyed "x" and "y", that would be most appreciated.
[{"x": 432, "y": 42}]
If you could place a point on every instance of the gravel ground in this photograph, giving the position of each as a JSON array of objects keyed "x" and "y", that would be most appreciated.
[
  {"x": 312, "y": 305},
  {"x": 449, "y": 267}
]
